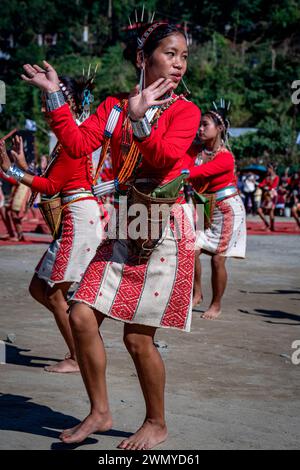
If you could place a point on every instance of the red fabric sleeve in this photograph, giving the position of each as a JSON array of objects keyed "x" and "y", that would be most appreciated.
[
  {"x": 79, "y": 141},
  {"x": 267, "y": 182},
  {"x": 58, "y": 175},
  {"x": 222, "y": 163},
  {"x": 7, "y": 178},
  {"x": 164, "y": 150},
  {"x": 275, "y": 182}
]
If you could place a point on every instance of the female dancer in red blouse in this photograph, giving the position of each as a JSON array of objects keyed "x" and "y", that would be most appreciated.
[
  {"x": 269, "y": 197},
  {"x": 3, "y": 210},
  {"x": 80, "y": 233},
  {"x": 144, "y": 295},
  {"x": 225, "y": 234}
]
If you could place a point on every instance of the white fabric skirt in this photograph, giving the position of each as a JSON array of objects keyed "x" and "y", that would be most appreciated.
[
  {"x": 227, "y": 234},
  {"x": 69, "y": 255},
  {"x": 156, "y": 292}
]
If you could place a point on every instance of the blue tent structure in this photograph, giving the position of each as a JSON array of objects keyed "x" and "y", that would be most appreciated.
[{"x": 259, "y": 169}]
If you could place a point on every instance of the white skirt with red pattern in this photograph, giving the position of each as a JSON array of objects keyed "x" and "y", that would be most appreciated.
[
  {"x": 156, "y": 292},
  {"x": 68, "y": 256},
  {"x": 226, "y": 235}
]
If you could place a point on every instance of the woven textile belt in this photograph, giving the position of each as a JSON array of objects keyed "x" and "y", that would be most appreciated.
[
  {"x": 226, "y": 192},
  {"x": 68, "y": 198}
]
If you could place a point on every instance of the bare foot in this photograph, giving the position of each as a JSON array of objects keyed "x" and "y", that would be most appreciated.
[
  {"x": 212, "y": 313},
  {"x": 64, "y": 367},
  {"x": 92, "y": 423},
  {"x": 148, "y": 436},
  {"x": 197, "y": 299},
  {"x": 21, "y": 237}
]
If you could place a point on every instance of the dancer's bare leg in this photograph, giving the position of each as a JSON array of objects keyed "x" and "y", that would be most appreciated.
[
  {"x": 197, "y": 290},
  {"x": 7, "y": 222},
  {"x": 17, "y": 220},
  {"x": 261, "y": 215},
  {"x": 272, "y": 220},
  {"x": 91, "y": 358},
  {"x": 151, "y": 373},
  {"x": 218, "y": 281},
  {"x": 295, "y": 212},
  {"x": 55, "y": 300}
]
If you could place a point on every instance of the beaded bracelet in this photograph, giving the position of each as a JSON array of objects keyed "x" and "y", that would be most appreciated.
[
  {"x": 141, "y": 128},
  {"x": 54, "y": 100}
]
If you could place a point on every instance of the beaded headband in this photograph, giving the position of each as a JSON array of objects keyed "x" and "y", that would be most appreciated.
[
  {"x": 68, "y": 95},
  {"x": 218, "y": 116},
  {"x": 223, "y": 108},
  {"x": 142, "y": 40}
]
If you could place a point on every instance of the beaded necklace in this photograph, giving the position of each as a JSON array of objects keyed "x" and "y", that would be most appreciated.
[{"x": 130, "y": 152}]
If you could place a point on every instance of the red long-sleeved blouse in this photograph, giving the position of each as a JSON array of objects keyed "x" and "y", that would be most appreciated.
[
  {"x": 164, "y": 151},
  {"x": 7, "y": 178},
  {"x": 218, "y": 173},
  {"x": 270, "y": 182},
  {"x": 64, "y": 174}
]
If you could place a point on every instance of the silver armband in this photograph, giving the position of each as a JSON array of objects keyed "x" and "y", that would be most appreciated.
[
  {"x": 15, "y": 172},
  {"x": 55, "y": 100},
  {"x": 141, "y": 128}
]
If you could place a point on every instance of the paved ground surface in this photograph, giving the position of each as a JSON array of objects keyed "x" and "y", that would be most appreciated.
[{"x": 231, "y": 383}]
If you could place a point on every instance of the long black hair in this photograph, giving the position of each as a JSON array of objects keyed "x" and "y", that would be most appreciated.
[{"x": 75, "y": 89}]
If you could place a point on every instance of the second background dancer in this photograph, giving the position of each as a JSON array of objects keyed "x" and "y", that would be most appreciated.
[
  {"x": 80, "y": 230},
  {"x": 224, "y": 233}
]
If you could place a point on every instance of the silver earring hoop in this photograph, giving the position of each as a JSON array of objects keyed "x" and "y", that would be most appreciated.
[
  {"x": 142, "y": 80},
  {"x": 185, "y": 86}
]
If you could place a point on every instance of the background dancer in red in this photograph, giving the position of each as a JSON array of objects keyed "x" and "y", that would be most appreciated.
[
  {"x": 153, "y": 128},
  {"x": 4, "y": 210},
  {"x": 80, "y": 231},
  {"x": 224, "y": 234},
  {"x": 269, "y": 197}
]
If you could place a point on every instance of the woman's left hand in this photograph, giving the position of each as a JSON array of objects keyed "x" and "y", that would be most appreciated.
[
  {"x": 5, "y": 162},
  {"x": 139, "y": 102},
  {"x": 18, "y": 154}
]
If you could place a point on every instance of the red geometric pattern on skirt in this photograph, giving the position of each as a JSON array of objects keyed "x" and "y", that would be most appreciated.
[
  {"x": 89, "y": 285},
  {"x": 129, "y": 291},
  {"x": 227, "y": 226},
  {"x": 63, "y": 254},
  {"x": 179, "y": 302}
]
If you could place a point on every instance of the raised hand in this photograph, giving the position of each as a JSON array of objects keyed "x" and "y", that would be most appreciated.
[
  {"x": 138, "y": 103},
  {"x": 17, "y": 153},
  {"x": 4, "y": 159},
  {"x": 44, "y": 78}
]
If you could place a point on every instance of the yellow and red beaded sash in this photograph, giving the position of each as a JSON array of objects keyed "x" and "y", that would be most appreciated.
[{"x": 133, "y": 155}]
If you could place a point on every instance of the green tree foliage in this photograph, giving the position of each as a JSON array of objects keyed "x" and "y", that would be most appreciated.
[{"x": 247, "y": 52}]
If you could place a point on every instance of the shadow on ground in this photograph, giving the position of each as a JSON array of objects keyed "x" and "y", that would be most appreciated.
[
  {"x": 18, "y": 413},
  {"x": 14, "y": 356},
  {"x": 274, "y": 292},
  {"x": 274, "y": 314}
]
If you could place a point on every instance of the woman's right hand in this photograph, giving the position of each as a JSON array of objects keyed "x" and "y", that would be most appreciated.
[
  {"x": 44, "y": 78},
  {"x": 17, "y": 152},
  {"x": 140, "y": 101}
]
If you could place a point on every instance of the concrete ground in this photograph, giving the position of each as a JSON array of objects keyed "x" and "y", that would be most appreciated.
[{"x": 231, "y": 383}]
